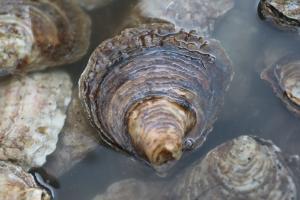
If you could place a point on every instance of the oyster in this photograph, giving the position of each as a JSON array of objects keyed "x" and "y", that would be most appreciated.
[
  {"x": 199, "y": 15},
  {"x": 76, "y": 140},
  {"x": 16, "y": 184},
  {"x": 32, "y": 111},
  {"x": 38, "y": 34},
  {"x": 284, "y": 77},
  {"x": 153, "y": 92},
  {"x": 283, "y": 14}
]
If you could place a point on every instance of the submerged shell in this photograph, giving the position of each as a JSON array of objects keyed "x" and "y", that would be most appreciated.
[
  {"x": 284, "y": 77},
  {"x": 199, "y": 15},
  {"x": 244, "y": 168},
  {"x": 281, "y": 13},
  {"x": 16, "y": 184},
  {"x": 38, "y": 34},
  {"x": 32, "y": 115},
  {"x": 152, "y": 92},
  {"x": 76, "y": 140}
]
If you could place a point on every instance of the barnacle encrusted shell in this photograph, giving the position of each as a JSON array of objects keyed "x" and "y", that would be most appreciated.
[
  {"x": 199, "y": 15},
  {"x": 284, "y": 77},
  {"x": 76, "y": 140},
  {"x": 153, "y": 92},
  {"x": 38, "y": 34},
  {"x": 32, "y": 111},
  {"x": 16, "y": 184},
  {"x": 281, "y": 13},
  {"x": 244, "y": 168}
]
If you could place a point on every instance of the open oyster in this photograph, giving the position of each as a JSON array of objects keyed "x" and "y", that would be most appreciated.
[
  {"x": 32, "y": 111},
  {"x": 39, "y": 34},
  {"x": 76, "y": 140},
  {"x": 284, "y": 14},
  {"x": 16, "y": 184},
  {"x": 199, "y": 15},
  {"x": 153, "y": 92},
  {"x": 284, "y": 77}
]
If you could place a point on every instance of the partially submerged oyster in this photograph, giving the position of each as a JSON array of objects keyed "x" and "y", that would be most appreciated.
[
  {"x": 16, "y": 184},
  {"x": 38, "y": 34},
  {"x": 199, "y": 15},
  {"x": 284, "y": 14},
  {"x": 153, "y": 92},
  {"x": 77, "y": 139},
  {"x": 284, "y": 77},
  {"x": 32, "y": 111}
]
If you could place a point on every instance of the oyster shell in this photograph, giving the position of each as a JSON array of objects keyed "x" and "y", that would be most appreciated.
[
  {"x": 152, "y": 92},
  {"x": 199, "y": 15},
  {"x": 76, "y": 140},
  {"x": 32, "y": 111},
  {"x": 16, "y": 184},
  {"x": 284, "y": 77},
  {"x": 283, "y": 14},
  {"x": 38, "y": 34}
]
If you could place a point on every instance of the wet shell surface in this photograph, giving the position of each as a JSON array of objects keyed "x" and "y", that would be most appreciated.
[
  {"x": 199, "y": 15},
  {"x": 283, "y": 14},
  {"x": 284, "y": 77},
  {"x": 244, "y": 168},
  {"x": 16, "y": 184},
  {"x": 76, "y": 140},
  {"x": 32, "y": 111},
  {"x": 153, "y": 92},
  {"x": 38, "y": 34}
]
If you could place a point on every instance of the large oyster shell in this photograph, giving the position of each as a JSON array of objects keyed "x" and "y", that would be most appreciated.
[
  {"x": 281, "y": 13},
  {"x": 16, "y": 184},
  {"x": 39, "y": 34},
  {"x": 32, "y": 111},
  {"x": 153, "y": 92},
  {"x": 76, "y": 140},
  {"x": 199, "y": 15},
  {"x": 284, "y": 77}
]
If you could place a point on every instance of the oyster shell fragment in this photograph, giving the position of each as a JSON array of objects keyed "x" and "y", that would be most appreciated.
[
  {"x": 153, "y": 92},
  {"x": 32, "y": 111},
  {"x": 16, "y": 184},
  {"x": 35, "y": 35},
  {"x": 284, "y": 77}
]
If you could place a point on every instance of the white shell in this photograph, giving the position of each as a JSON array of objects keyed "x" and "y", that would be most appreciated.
[
  {"x": 32, "y": 115},
  {"x": 16, "y": 184}
]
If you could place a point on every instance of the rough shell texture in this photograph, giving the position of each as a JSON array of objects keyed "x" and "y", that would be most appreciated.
[
  {"x": 199, "y": 15},
  {"x": 16, "y": 184},
  {"x": 281, "y": 13},
  {"x": 76, "y": 140},
  {"x": 32, "y": 115},
  {"x": 284, "y": 77},
  {"x": 154, "y": 62},
  {"x": 93, "y": 4},
  {"x": 244, "y": 168},
  {"x": 39, "y": 34}
]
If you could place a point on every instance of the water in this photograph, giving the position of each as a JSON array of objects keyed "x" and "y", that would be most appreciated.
[{"x": 250, "y": 105}]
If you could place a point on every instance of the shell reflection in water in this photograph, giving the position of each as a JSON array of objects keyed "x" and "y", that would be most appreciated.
[
  {"x": 284, "y": 77},
  {"x": 283, "y": 14},
  {"x": 153, "y": 92},
  {"x": 38, "y": 34},
  {"x": 16, "y": 184},
  {"x": 32, "y": 115},
  {"x": 199, "y": 15}
]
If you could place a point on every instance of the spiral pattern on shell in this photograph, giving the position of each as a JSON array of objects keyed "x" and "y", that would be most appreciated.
[
  {"x": 38, "y": 34},
  {"x": 244, "y": 168},
  {"x": 153, "y": 92}
]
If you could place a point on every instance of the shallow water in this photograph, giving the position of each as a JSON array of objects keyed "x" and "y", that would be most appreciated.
[{"x": 250, "y": 105}]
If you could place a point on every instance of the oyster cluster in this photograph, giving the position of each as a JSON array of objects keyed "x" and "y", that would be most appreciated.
[{"x": 35, "y": 35}]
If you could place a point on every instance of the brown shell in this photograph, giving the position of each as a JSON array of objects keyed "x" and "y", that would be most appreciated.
[
  {"x": 35, "y": 35},
  {"x": 154, "y": 64},
  {"x": 16, "y": 184}
]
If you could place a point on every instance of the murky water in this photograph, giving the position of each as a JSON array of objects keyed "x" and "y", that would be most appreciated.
[{"x": 250, "y": 105}]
